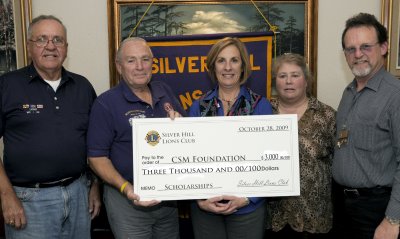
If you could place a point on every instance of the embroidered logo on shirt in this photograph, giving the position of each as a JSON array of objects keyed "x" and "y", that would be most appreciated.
[
  {"x": 32, "y": 109},
  {"x": 152, "y": 138},
  {"x": 135, "y": 114}
]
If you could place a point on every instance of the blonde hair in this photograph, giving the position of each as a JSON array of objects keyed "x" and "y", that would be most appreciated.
[{"x": 296, "y": 59}]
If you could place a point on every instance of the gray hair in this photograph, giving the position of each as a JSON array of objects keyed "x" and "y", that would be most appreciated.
[
  {"x": 129, "y": 39},
  {"x": 41, "y": 18}
]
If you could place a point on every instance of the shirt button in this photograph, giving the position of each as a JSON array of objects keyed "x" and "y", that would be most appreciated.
[
  {"x": 55, "y": 98},
  {"x": 57, "y": 107}
]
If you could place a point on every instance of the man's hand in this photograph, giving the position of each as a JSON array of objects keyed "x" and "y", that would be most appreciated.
[
  {"x": 13, "y": 212},
  {"x": 172, "y": 114},
  {"x": 94, "y": 199},
  {"x": 385, "y": 230},
  {"x": 128, "y": 191}
]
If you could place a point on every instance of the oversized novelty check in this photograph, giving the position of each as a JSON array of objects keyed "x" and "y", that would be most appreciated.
[{"x": 203, "y": 157}]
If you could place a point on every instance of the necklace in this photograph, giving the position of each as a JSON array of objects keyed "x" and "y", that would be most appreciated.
[{"x": 229, "y": 102}]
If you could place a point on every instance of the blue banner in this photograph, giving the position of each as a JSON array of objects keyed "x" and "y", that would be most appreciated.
[{"x": 180, "y": 61}]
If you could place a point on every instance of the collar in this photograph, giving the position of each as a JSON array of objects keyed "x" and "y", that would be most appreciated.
[
  {"x": 34, "y": 75},
  {"x": 372, "y": 83},
  {"x": 214, "y": 93},
  {"x": 313, "y": 103},
  {"x": 156, "y": 90}
]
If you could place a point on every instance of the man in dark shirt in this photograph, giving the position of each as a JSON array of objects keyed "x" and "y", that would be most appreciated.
[
  {"x": 44, "y": 117},
  {"x": 110, "y": 144}
]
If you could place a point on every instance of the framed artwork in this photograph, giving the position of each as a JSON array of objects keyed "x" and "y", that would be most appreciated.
[
  {"x": 391, "y": 20},
  {"x": 296, "y": 23},
  {"x": 14, "y": 19},
  {"x": 24, "y": 18}
]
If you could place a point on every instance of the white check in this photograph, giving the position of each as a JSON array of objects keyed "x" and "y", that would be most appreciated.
[{"x": 203, "y": 157}]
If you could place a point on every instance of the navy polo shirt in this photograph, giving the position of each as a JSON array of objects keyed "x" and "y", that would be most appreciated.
[
  {"x": 44, "y": 132},
  {"x": 110, "y": 132}
]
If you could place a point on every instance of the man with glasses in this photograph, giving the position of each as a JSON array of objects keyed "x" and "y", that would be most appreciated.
[
  {"x": 366, "y": 167},
  {"x": 44, "y": 117}
]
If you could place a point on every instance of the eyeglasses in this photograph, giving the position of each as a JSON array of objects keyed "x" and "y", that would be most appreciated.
[
  {"x": 364, "y": 48},
  {"x": 42, "y": 41}
]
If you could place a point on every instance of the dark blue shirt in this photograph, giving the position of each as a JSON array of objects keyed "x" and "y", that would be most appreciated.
[
  {"x": 44, "y": 132},
  {"x": 263, "y": 107},
  {"x": 110, "y": 132}
]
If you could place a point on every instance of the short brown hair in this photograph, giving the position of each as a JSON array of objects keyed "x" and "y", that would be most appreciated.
[{"x": 366, "y": 20}]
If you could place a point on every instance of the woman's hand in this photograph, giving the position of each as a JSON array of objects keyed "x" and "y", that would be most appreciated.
[{"x": 224, "y": 205}]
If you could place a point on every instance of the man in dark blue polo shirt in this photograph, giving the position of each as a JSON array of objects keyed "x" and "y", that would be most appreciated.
[
  {"x": 110, "y": 144},
  {"x": 44, "y": 118}
]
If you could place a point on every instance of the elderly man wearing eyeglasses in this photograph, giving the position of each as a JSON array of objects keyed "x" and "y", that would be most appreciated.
[{"x": 44, "y": 117}]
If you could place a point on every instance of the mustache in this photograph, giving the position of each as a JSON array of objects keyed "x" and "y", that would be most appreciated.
[{"x": 359, "y": 61}]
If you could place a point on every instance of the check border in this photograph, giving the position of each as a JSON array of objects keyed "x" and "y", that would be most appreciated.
[{"x": 270, "y": 165}]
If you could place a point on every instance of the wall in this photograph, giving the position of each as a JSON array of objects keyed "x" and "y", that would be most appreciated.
[
  {"x": 87, "y": 33},
  {"x": 86, "y": 22},
  {"x": 333, "y": 73}
]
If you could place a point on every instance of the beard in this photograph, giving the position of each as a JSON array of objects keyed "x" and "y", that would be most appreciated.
[{"x": 360, "y": 71}]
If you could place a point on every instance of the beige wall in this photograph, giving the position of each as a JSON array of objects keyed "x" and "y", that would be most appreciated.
[
  {"x": 86, "y": 22},
  {"x": 333, "y": 72}
]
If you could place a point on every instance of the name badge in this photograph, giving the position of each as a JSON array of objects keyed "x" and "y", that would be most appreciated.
[{"x": 343, "y": 137}]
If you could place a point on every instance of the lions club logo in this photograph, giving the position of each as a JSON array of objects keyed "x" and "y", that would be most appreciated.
[{"x": 152, "y": 138}]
